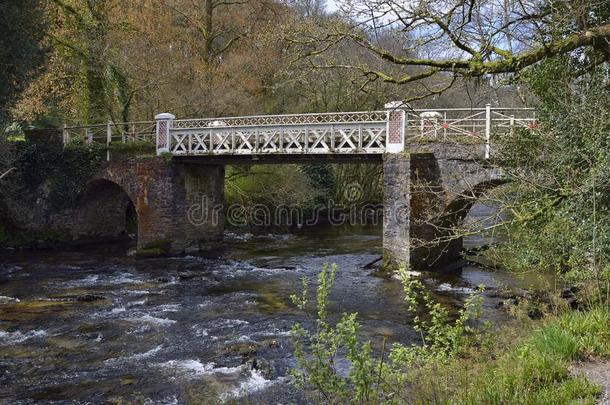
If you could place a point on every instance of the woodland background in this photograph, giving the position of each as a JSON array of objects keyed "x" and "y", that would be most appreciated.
[{"x": 90, "y": 61}]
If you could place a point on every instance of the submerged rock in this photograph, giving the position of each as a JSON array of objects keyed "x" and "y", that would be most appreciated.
[
  {"x": 186, "y": 275},
  {"x": 78, "y": 298},
  {"x": 29, "y": 310},
  {"x": 90, "y": 298}
]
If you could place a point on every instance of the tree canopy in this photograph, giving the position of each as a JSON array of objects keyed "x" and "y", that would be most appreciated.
[{"x": 89, "y": 61}]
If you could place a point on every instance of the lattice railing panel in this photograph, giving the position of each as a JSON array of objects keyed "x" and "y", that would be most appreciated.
[{"x": 297, "y": 138}]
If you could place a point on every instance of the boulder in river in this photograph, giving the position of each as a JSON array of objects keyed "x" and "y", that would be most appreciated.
[{"x": 262, "y": 366}]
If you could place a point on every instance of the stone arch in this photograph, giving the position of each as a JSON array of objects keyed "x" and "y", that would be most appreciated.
[
  {"x": 122, "y": 174},
  {"x": 445, "y": 182},
  {"x": 103, "y": 209},
  {"x": 445, "y": 253},
  {"x": 456, "y": 211}
]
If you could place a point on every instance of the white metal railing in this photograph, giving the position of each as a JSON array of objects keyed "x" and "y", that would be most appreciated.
[
  {"x": 345, "y": 132},
  {"x": 111, "y": 132},
  {"x": 467, "y": 124},
  {"x": 352, "y": 132},
  {"x": 283, "y": 119},
  {"x": 106, "y": 134}
]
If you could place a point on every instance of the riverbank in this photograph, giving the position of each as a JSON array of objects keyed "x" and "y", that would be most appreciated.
[{"x": 561, "y": 359}]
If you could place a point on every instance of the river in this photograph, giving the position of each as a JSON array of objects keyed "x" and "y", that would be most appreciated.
[{"x": 92, "y": 324}]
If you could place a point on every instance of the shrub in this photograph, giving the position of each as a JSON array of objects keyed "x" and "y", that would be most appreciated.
[{"x": 459, "y": 360}]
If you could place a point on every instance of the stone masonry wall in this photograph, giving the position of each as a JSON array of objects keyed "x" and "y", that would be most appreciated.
[
  {"x": 396, "y": 209},
  {"x": 164, "y": 195}
]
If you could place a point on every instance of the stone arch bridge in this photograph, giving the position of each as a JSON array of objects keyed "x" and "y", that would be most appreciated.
[{"x": 435, "y": 166}]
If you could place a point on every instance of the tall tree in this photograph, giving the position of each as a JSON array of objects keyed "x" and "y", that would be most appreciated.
[
  {"x": 461, "y": 38},
  {"x": 21, "y": 29}
]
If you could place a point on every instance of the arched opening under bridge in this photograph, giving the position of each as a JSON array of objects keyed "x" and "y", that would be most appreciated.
[{"x": 105, "y": 212}]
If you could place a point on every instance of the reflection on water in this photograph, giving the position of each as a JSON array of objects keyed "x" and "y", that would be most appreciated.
[{"x": 95, "y": 325}]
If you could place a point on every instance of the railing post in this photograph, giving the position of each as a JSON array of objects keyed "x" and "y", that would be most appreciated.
[
  {"x": 65, "y": 136},
  {"x": 163, "y": 132},
  {"x": 395, "y": 126},
  {"x": 487, "y": 130},
  {"x": 108, "y": 139}
]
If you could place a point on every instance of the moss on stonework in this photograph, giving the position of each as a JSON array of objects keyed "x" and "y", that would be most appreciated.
[
  {"x": 167, "y": 157},
  {"x": 38, "y": 239},
  {"x": 63, "y": 171},
  {"x": 150, "y": 252},
  {"x": 387, "y": 268},
  {"x": 155, "y": 248}
]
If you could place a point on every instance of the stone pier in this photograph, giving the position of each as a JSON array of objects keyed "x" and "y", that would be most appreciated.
[
  {"x": 428, "y": 191},
  {"x": 396, "y": 209}
]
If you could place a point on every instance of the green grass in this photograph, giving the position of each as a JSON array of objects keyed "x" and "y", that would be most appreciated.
[{"x": 531, "y": 367}]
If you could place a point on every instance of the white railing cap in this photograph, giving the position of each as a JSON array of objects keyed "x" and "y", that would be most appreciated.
[
  {"x": 394, "y": 105},
  {"x": 165, "y": 116}
]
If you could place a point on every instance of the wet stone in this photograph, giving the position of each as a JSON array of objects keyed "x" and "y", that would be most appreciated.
[
  {"x": 78, "y": 298},
  {"x": 244, "y": 349},
  {"x": 187, "y": 275},
  {"x": 262, "y": 366}
]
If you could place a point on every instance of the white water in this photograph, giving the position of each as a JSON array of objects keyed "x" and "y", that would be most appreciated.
[{"x": 16, "y": 337}]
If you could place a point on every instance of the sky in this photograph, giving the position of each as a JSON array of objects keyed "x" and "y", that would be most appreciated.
[{"x": 331, "y": 6}]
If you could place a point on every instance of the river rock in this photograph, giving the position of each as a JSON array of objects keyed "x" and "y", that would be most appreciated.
[
  {"x": 78, "y": 298},
  {"x": 186, "y": 275},
  {"x": 246, "y": 350},
  {"x": 273, "y": 344},
  {"x": 262, "y": 366},
  {"x": 90, "y": 298}
]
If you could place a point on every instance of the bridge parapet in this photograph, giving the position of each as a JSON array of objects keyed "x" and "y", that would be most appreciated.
[{"x": 361, "y": 132}]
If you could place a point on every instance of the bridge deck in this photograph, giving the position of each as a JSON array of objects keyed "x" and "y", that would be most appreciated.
[{"x": 280, "y": 159}]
